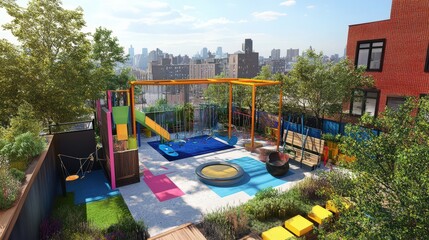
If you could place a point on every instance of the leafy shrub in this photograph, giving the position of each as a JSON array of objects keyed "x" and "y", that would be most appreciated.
[
  {"x": 126, "y": 229},
  {"x": 17, "y": 174},
  {"x": 10, "y": 189},
  {"x": 226, "y": 223},
  {"x": 341, "y": 182},
  {"x": 271, "y": 203},
  {"x": 23, "y": 147},
  {"x": 315, "y": 188},
  {"x": 25, "y": 121}
]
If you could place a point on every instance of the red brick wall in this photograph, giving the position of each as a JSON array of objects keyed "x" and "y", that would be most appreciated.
[{"x": 407, "y": 40}]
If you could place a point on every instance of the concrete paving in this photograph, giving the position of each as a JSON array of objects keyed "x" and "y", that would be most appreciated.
[{"x": 198, "y": 198}]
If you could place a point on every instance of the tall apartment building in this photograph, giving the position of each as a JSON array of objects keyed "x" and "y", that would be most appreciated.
[
  {"x": 275, "y": 54},
  {"x": 395, "y": 52},
  {"x": 244, "y": 65},
  {"x": 292, "y": 54},
  {"x": 199, "y": 70},
  {"x": 165, "y": 70},
  {"x": 174, "y": 94}
]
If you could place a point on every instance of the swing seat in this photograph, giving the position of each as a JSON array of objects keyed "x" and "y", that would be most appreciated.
[{"x": 72, "y": 178}]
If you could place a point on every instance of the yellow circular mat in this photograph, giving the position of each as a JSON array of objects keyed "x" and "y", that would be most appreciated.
[{"x": 219, "y": 171}]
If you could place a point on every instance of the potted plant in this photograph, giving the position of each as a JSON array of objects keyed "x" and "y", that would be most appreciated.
[{"x": 332, "y": 142}]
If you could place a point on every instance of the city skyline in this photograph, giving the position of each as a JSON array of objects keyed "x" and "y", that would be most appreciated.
[{"x": 186, "y": 27}]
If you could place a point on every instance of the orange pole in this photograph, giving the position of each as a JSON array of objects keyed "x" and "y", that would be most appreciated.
[
  {"x": 133, "y": 114},
  {"x": 252, "y": 130},
  {"x": 280, "y": 117},
  {"x": 230, "y": 111}
]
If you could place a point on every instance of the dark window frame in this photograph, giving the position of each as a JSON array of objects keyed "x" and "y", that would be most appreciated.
[
  {"x": 427, "y": 61},
  {"x": 363, "y": 102},
  {"x": 404, "y": 98},
  {"x": 371, "y": 42}
]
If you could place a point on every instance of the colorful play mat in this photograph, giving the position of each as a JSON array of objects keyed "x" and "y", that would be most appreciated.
[{"x": 189, "y": 147}]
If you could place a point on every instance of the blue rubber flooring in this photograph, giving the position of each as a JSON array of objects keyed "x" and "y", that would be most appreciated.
[
  {"x": 191, "y": 147},
  {"x": 93, "y": 187},
  {"x": 255, "y": 178}
]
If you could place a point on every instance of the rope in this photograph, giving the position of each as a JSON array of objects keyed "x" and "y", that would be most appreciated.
[{"x": 81, "y": 165}]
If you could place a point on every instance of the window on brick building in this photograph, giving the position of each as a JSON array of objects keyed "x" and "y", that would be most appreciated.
[
  {"x": 364, "y": 102},
  {"x": 370, "y": 54},
  {"x": 395, "y": 102},
  {"x": 427, "y": 61}
]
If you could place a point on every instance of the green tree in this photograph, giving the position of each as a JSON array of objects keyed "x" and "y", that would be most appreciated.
[
  {"x": 218, "y": 93},
  {"x": 391, "y": 190},
  {"x": 56, "y": 66},
  {"x": 120, "y": 81},
  {"x": 322, "y": 87},
  {"x": 11, "y": 74},
  {"x": 267, "y": 97},
  {"x": 106, "y": 53}
]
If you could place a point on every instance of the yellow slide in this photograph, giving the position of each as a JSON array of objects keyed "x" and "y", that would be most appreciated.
[{"x": 152, "y": 125}]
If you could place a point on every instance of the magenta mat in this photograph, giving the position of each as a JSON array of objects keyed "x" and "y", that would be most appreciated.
[{"x": 162, "y": 186}]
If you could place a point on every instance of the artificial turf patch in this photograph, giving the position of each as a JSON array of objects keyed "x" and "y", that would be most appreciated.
[
  {"x": 101, "y": 214},
  {"x": 107, "y": 212}
]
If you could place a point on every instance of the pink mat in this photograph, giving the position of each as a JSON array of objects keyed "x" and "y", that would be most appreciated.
[{"x": 163, "y": 188}]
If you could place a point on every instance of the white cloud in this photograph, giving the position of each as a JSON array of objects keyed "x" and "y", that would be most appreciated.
[
  {"x": 288, "y": 3},
  {"x": 311, "y": 6},
  {"x": 268, "y": 15},
  {"x": 155, "y": 5},
  {"x": 163, "y": 18},
  {"x": 187, "y": 7},
  {"x": 213, "y": 22}
]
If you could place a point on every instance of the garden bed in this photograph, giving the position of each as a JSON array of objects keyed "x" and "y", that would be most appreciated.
[{"x": 9, "y": 217}]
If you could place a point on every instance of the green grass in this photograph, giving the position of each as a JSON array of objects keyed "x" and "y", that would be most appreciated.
[
  {"x": 101, "y": 214},
  {"x": 107, "y": 212}
]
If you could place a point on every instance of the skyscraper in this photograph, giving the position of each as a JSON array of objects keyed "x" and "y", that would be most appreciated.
[
  {"x": 144, "y": 59},
  {"x": 204, "y": 53},
  {"x": 219, "y": 52},
  {"x": 131, "y": 55},
  {"x": 248, "y": 45}
]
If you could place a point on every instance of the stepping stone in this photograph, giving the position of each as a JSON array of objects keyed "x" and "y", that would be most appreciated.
[
  {"x": 298, "y": 225},
  {"x": 319, "y": 214},
  {"x": 276, "y": 233}
]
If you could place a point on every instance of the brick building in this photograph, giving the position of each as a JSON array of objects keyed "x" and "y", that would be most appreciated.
[
  {"x": 244, "y": 65},
  {"x": 395, "y": 52}
]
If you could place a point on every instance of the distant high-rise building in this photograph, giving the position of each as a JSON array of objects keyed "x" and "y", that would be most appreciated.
[
  {"x": 143, "y": 59},
  {"x": 219, "y": 52},
  {"x": 292, "y": 54},
  {"x": 204, "y": 53},
  {"x": 275, "y": 54},
  {"x": 247, "y": 45},
  {"x": 131, "y": 55},
  {"x": 244, "y": 65}
]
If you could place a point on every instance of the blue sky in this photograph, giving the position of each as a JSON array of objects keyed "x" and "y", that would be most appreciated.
[{"x": 186, "y": 26}]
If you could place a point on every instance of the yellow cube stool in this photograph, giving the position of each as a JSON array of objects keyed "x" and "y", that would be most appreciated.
[
  {"x": 330, "y": 205},
  {"x": 298, "y": 225},
  {"x": 276, "y": 233},
  {"x": 319, "y": 214}
]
